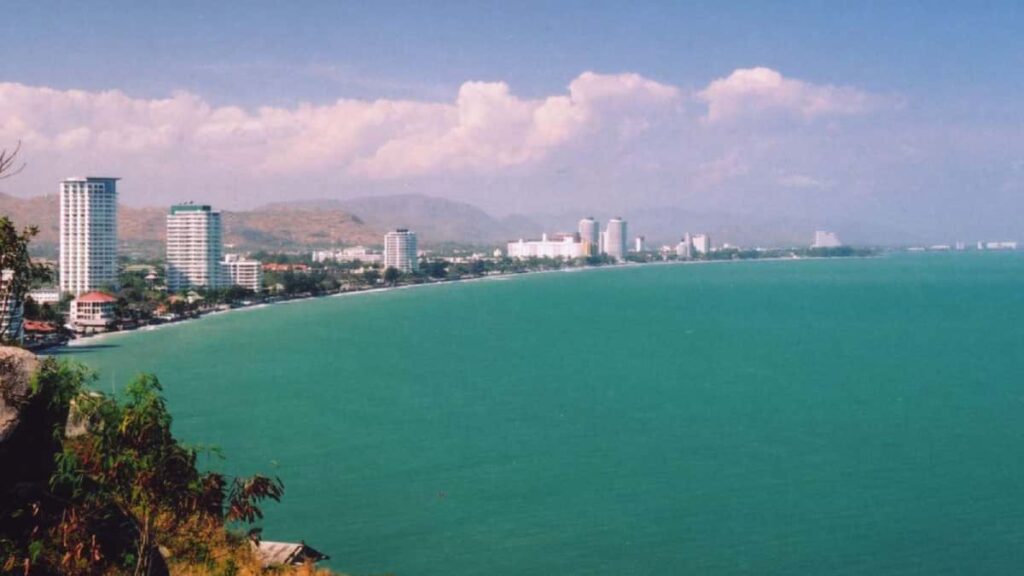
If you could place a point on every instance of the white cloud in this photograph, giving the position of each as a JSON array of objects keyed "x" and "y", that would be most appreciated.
[
  {"x": 755, "y": 91},
  {"x": 487, "y": 128}
]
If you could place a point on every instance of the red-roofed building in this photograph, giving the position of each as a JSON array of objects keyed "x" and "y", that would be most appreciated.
[{"x": 92, "y": 312}]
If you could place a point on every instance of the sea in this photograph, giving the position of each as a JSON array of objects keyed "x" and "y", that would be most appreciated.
[{"x": 825, "y": 417}]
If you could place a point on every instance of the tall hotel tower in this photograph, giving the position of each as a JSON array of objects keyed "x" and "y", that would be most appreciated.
[
  {"x": 194, "y": 247},
  {"x": 615, "y": 238},
  {"x": 590, "y": 236},
  {"x": 88, "y": 234},
  {"x": 400, "y": 250}
]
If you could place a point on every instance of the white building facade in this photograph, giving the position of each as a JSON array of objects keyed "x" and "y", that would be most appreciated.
[
  {"x": 88, "y": 234},
  {"x": 615, "y": 238},
  {"x": 566, "y": 246},
  {"x": 824, "y": 239},
  {"x": 238, "y": 271},
  {"x": 590, "y": 235},
  {"x": 92, "y": 312},
  {"x": 12, "y": 311},
  {"x": 360, "y": 253},
  {"x": 701, "y": 243},
  {"x": 684, "y": 250},
  {"x": 194, "y": 247},
  {"x": 400, "y": 250}
]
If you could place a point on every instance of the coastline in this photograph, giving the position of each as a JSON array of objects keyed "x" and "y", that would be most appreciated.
[{"x": 94, "y": 338}]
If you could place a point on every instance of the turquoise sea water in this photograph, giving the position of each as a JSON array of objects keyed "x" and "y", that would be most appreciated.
[{"x": 801, "y": 417}]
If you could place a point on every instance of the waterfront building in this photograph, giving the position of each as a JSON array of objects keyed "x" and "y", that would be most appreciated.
[
  {"x": 563, "y": 245},
  {"x": 684, "y": 250},
  {"x": 92, "y": 312},
  {"x": 88, "y": 234},
  {"x": 701, "y": 243},
  {"x": 640, "y": 244},
  {"x": 400, "y": 250},
  {"x": 239, "y": 271},
  {"x": 590, "y": 235},
  {"x": 1000, "y": 246},
  {"x": 194, "y": 247},
  {"x": 825, "y": 239},
  {"x": 12, "y": 309},
  {"x": 615, "y": 238},
  {"x": 360, "y": 253}
]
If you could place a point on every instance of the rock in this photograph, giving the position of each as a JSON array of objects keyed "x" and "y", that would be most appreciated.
[
  {"x": 27, "y": 425},
  {"x": 16, "y": 369}
]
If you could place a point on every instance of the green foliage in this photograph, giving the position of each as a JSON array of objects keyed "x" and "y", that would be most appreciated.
[
  {"x": 124, "y": 486},
  {"x": 391, "y": 275},
  {"x": 17, "y": 268}
]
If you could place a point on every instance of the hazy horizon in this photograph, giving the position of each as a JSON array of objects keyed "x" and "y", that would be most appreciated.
[{"x": 876, "y": 117}]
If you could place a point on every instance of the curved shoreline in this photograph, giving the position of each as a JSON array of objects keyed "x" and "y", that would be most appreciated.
[{"x": 91, "y": 339}]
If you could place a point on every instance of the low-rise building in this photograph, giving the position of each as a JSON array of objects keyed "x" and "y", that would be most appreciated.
[
  {"x": 239, "y": 271},
  {"x": 92, "y": 312},
  {"x": 562, "y": 245},
  {"x": 360, "y": 253}
]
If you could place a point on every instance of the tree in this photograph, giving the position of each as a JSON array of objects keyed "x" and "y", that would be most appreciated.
[
  {"x": 371, "y": 276},
  {"x": 17, "y": 272},
  {"x": 122, "y": 487},
  {"x": 391, "y": 275}
]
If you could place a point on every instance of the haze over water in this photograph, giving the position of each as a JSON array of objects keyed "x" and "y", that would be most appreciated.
[{"x": 804, "y": 417}]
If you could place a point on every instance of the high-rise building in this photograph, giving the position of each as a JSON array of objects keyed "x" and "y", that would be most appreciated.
[
  {"x": 701, "y": 243},
  {"x": 640, "y": 244},
  {"x": 194, "y": 247},
  {"x": 12, "y": 310},
  {"x": 684, "y": 250},
  {"x": 590, "y": 236},
  {"x": 823, "y": 239},
  {"x": 238, "y": 271},
  {"x": 400, "y": 250},
  {"x": 615, "y": 238},
  {"x": 88, "y": 234}
]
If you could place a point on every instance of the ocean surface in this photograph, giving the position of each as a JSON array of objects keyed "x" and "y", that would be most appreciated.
[{"x": 856, "y": 416}]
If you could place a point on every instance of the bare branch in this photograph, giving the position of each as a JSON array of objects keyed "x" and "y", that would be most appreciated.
[{"x": 7, "y": 161}]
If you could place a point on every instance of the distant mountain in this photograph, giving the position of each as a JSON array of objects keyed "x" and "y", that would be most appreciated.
[
  {"x": 435, "y": 220},
  {"x": 142, "y": 231}
]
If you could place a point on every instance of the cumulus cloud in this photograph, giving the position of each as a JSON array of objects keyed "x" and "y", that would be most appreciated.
[
  {"x": 755, "y": 91},
  {"x": 486, "y": 128}
]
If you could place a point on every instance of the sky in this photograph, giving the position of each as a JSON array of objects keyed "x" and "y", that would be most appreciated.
[{"x": 896, "y": 116}]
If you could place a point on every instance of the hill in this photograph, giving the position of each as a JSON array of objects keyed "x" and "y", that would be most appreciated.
[
  {"x": 435, "y": 220},
  {"x": 142, "y": 230}
]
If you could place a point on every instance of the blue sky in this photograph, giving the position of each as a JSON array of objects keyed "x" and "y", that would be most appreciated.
[
  {"x": 921, "y": 104},
  {"x": 424, "y": 49}
]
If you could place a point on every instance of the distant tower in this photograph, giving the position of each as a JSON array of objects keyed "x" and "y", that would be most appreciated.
[
  {"x": 615, "y": 238},
  {"x": 590, "y": 236},
  {"x": 88, "y": 234},
  {"x": 640, "y": 244},
  {"x": 194, "y": 247},
  {"x": 400, "y": 250}
]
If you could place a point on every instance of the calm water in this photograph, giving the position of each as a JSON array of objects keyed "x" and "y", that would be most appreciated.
[{"x": 812, "y": 417}]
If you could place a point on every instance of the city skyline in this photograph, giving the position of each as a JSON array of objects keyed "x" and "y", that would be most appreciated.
[{"x": 904, "y": 121}]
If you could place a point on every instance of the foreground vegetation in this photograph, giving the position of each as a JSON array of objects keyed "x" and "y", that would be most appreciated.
[{"x": 123, "y": 495}]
